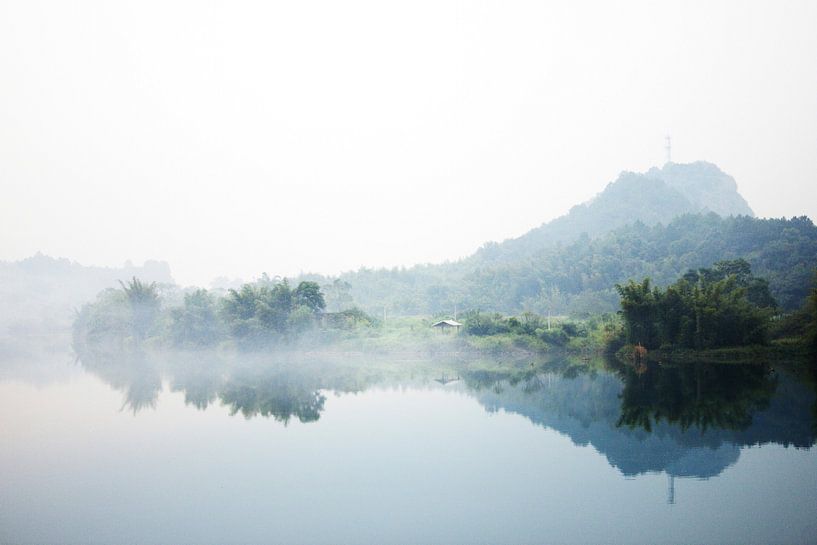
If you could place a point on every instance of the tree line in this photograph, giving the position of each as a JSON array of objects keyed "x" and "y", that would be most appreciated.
[
  {"x": 725, "y": 305},
  {"x": 578, "y": 278},
  {"x": 264, "y": 312}
]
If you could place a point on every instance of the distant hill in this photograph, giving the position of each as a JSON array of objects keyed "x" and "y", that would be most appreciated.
[
  {"x": 653, "y": 197},
  {"x": 706, "y": 186},
  {"x": 579, "y": 277},
  {"x": 657, "y": 224},
  {"x": 38, "y": 294}
]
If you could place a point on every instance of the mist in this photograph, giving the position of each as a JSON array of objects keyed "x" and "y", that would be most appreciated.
[
  {"x": 427, "y": 272},
  {"x": 232, "y": 140}
]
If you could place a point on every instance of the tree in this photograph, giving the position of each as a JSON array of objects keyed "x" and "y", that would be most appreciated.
[
  {"x": 338, "y": 295},
  {"x": 273, "y": 307},
  {"x": 811, "y": 309},
  {"x": 144, "y": 304},
  {"x": 707, "y": 308},
  {"x": 196, "y": 323},
  {"x": 639, "y": 308},
  {"x": 300, "y": 319},
  {"x": 238, "y": 309},
  {"x": 308, "y": 294}
]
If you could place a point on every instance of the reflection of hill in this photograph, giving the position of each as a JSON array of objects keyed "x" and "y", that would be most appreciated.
[
  {"x": 689, "y": 421},
  {"x": 589, "y": 409}
]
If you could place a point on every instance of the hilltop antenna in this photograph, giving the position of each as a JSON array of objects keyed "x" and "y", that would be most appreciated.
[{"x": 668, "y": 147}]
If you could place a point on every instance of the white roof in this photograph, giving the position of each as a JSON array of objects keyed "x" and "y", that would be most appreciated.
[{"x": 441, "y": 323}]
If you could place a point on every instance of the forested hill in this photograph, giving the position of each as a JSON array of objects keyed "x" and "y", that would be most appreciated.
[
  {"x": 657, "y": 224},
  {"x": 579, "y": 277},
  {"x": 652, "y": 197}
]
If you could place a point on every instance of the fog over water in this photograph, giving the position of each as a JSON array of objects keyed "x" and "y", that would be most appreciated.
[
  {"x": 294, "y": 448},
  {"x": 368, "y": 362},
  {"x": 234, "y": 139}
]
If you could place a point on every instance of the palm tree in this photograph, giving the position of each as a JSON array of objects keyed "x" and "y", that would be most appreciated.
[{"x": 144, "y": 303}]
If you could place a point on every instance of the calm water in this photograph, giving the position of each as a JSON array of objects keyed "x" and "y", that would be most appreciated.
[{"x": 194, "y": 449}]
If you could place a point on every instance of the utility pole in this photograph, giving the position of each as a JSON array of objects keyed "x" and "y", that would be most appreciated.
[{"x": 668, "y": 148}]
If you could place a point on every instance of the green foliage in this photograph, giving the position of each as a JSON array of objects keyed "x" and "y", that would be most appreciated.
[
  {"x": 238, "y": 311},
  {"x": 639, "y": 309},
  {"x": 273, "y": 306},
  {"x": 530, "y": 330},
  {"x": 811, "y": 313},
  {"x": 261, "y": 313},
  {"x": 196, "y": 323},
  {"x": 556, "y": 336},
  {"x": 308, "y": 294},
  {"x": 105, "y": 323},
  {"x": 578, "y": 277},
  {"x": 118, "y": 317},
  {"x": 482, "y": 325},
  {"x": 348, "y": 319},
  {"x": 790, "y": 326},
  {"x": 144, "y": 305},
  {"x": 707, "y": 308},
  {"x": 300, "y": 319}
]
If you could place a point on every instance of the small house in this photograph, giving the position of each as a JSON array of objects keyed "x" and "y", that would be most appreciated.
[{"x": 446, "y": 325}]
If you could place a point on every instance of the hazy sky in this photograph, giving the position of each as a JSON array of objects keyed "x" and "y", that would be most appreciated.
[{"x": 231, "y": 138}]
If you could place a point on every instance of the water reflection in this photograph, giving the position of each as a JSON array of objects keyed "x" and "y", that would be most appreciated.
[
  {"x": 132, "y": 372},
  {"x": 694, "y": 395},
  {"x": 686, "y": 420},
  {"x": 280, "y": 396},
  {"x": 254, "y": 385}
]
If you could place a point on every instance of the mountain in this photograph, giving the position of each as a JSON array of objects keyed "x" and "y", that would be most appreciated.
[
  {"x": 707, "y": 187},
  {"x": 653, "y": 197},
  {"x": 580, "y": 277},
  {"x": 656, "y": 224}
]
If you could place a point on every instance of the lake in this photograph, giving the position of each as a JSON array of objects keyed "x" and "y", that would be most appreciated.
[{"x": 210, "y": 449}]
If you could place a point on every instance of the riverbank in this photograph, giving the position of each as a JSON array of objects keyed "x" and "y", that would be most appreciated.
[{"x": 779, "y": 351}]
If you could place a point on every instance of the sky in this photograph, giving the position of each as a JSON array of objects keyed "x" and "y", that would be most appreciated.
[{"x": 235, "y": 138}]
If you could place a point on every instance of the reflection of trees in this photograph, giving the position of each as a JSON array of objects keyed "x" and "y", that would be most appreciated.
[
  {"x": 131, "y": 372},
  {"x": 142, "y": 391},
  {"x": 694, "y": 395},
  {"x": 616, "y": 407},
  {"x": 532, "y": 377},
  {"x": 689, "y": 421},
  {"x": 279, "y": 396},
  {"x": 251, "y": 387},
  {"x": 200, "y": 383}
]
